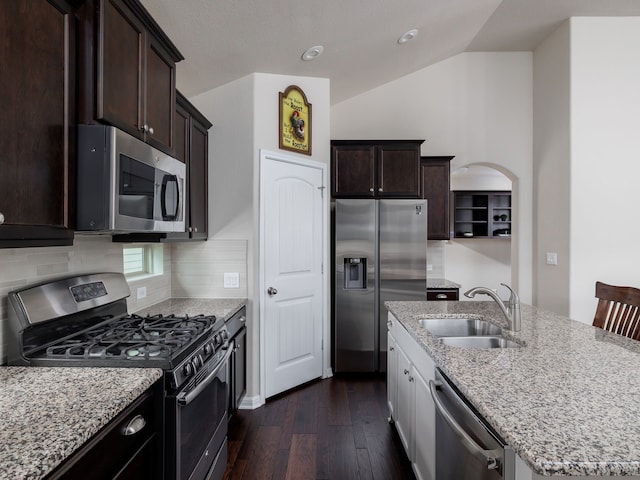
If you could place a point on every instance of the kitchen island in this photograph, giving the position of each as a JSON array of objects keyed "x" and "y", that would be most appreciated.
[
  {"x": 48, "y": 413},
  {"x": 566, "y": 400}
]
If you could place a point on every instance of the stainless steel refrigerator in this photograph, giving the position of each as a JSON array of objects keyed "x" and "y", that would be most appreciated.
[{"x": 380, "y": 254}]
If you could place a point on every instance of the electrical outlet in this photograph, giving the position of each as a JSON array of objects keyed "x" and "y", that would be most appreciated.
[
  {"x": 141, "y": 292},
  {"x": 429, "y": 267},
  {"x": 552, "y": 258},
  {"x": 231, "y": 280}
]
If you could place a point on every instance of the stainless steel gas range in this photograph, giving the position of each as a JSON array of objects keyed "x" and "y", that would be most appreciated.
[{"x": 83, "y": 321}]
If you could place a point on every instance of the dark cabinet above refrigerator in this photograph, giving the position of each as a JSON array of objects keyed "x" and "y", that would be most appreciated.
[{"x": 375, "y": 168}]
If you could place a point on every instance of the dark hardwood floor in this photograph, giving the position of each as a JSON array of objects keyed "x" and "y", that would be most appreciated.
[{"x": 333, "y": 429}]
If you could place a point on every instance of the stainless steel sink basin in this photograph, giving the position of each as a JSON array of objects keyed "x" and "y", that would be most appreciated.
[
  {"x": 459, "y": 327},
  {"x": 479, "y": 342}
]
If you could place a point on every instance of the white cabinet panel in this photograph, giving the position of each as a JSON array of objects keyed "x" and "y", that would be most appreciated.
[{"x": 412, "y": 407}]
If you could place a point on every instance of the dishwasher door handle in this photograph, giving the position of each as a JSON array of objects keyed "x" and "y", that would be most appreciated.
[{"x": 492, "y": 457}]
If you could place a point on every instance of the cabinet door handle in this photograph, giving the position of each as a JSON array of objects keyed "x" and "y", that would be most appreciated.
[
  {"x": 410, "y": 378},
  {"x": 371, "y": 189},
  {"x": 391, "y": 349},
  {"x": 380, "y": 189},
  {"x": 136, "y": 424},
  {"x": 441, "y": 296},
  {"x": 243, "y": 319},
  {"x": 406, "y": 371},
  {"x": 1, "y": 218},
  {"x": 150, "y": 130},
  {"x": 195, "y": 229}
]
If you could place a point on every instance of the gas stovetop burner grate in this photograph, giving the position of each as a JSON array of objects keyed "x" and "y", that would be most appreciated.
[{"x": 133, "y": 338}]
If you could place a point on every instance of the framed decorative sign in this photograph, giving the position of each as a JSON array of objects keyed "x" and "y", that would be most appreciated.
[{"x": 295, "y": 121}]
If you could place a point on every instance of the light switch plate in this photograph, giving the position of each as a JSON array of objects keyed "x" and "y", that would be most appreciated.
[
  {"x": 552, "y": 258},
  {"x": 231, "y": 280},
  {"x": 141, "y": 292}
]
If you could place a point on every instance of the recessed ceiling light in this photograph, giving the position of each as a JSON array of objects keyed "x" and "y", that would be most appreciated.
[
  {"x": 312, "y": 53},
  {"x": 405, "y": 37}
]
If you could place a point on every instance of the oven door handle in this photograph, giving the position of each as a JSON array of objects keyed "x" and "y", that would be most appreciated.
[{"x": 186, "y": 398}]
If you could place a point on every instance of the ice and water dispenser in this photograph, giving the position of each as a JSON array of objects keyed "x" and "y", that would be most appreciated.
[{"x": 355, "y": 273}]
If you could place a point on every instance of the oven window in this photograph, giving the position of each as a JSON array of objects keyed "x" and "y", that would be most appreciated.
[
  {"x": 199, "y": 420},
  {"x": 137, "y": 187}
]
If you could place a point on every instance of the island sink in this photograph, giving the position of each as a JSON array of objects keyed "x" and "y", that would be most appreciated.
[
  {"x": 459, "y": 327},
  {"x": 467, "y": 333},
  {"x": 479, "y": 342}
]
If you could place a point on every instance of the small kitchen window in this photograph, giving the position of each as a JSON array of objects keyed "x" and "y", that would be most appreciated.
[{"x": 142, "y": 261}]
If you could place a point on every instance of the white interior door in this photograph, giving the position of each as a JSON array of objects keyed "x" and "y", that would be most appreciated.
[{"x": 293, "y": 282}]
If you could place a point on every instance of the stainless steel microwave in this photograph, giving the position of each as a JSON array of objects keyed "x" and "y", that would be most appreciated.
[{"x": 125, "y": 185}]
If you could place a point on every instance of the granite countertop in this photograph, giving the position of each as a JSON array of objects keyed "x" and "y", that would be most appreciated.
[
  {"x": 220, "y": 307},
  {"x": 567, "y": 401},
  {"x": 47, "y": 413},
  {"x": 441, "y": 283}
]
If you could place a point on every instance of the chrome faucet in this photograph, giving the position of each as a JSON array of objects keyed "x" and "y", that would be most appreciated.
[{"x": 511, "y": 310}]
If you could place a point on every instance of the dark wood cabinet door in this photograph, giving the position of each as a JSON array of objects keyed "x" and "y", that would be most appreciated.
[
  {"x": 181, "y": 133},
  {"x": 120, "y": 87},
  {"x": 161, "y": 96},
  {"x": 37, "y": 123},
  {"x": 197, "y": 167},
  {"x": 135, "y": 82},
  {"x": 399, "y": 171},
  {"x": 353, "y": 171},
  {"x": 435, "y": 186}
]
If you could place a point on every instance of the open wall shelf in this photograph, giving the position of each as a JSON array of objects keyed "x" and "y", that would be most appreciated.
[{"x": 484, "y": 214}]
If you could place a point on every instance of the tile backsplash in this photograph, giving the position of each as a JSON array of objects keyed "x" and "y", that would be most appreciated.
[{"x": 199, "y": 270}]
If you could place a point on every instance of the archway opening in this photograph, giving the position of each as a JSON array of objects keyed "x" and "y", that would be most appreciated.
[{"x": 491, "y": 259}]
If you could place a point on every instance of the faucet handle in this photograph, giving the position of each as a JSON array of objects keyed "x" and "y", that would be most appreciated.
[{"x": 513, "y": 297}]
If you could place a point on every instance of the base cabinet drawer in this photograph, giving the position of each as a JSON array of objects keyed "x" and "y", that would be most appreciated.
[
  {"x": 443, "y": 294},
  {"x": 129, "y": 447}
]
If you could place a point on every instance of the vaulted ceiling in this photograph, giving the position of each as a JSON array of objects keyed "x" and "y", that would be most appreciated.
[{"x": 223, "y": 40}]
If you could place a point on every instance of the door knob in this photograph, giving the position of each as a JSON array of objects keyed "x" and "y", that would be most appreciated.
[{"x": 272, "y": 291}]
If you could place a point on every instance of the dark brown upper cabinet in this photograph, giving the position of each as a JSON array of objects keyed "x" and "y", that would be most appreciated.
[
  {"x": 127, "y": 71},
  {"x": 37, "y": 123},
  {"x": 375, "y": 168},
  {"x": 192, "y": 135},
  {"x": 434, "y": 187}
]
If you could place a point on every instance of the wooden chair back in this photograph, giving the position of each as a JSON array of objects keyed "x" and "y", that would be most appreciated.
[{"x": 618, "y": 310}]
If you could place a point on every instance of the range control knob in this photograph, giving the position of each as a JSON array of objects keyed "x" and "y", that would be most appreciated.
[
  {"x": 187, "y": 370},
  {"x": 207, "y": 349},
  {"x": 197, "y": 361}
]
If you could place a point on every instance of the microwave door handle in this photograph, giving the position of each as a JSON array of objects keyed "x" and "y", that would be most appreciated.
[{"x": 163, "y": 202}]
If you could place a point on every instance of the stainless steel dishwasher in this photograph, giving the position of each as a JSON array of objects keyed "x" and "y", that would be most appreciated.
[{"x": 466, "y": 446}]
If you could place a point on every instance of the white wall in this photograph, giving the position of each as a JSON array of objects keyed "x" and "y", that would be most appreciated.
[
  {"x": 552, "y": 170},
  {"x": 586, "y": 160},
  {"x": 478, "y": 107},
  {"x": 605, "y": 157}
]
